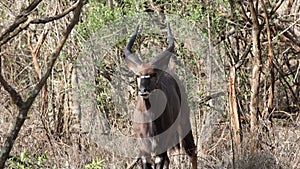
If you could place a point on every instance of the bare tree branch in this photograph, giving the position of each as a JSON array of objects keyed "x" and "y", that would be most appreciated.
[
  {"x": 16, "y": 97},
  {"x": 133, "y": 163},
  {"x": 212, "y": 96},
  {"x": 20, "y": 19},
  {"x": 23, "y": 21},
  {"x": 55, "y": 55},
  {"x": 56, "y": 17},
  {"x": 19, "y": 25},
  {"x": 276, "y": 7}
]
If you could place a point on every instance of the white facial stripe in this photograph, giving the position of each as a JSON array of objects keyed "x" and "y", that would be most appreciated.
[
  {"x": 145, "y": 76},
  {"x": 138, "y": 81}
]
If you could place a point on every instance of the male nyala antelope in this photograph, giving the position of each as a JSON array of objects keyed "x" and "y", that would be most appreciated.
[{"x": 161, "y": 117}]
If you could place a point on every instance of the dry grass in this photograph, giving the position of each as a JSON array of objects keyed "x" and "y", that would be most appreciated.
[{"x": 213, "y": 153}]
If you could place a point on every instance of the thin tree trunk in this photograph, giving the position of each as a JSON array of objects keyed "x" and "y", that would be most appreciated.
[
  {"x": 270, "y": 78},
  {"x": 235, "y": 119},
  {"x": 255, "y": 79}
]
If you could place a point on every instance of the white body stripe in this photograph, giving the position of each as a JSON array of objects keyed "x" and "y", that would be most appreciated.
[
  {"x": 158, "y": 160},
  {"x": 144, "y": 160}
]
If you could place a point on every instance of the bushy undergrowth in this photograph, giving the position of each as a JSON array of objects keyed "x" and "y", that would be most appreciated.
[{"x": 56, "y": 139}]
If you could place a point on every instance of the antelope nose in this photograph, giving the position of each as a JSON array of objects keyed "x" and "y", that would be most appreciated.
[{"x": 143, "y": 91}]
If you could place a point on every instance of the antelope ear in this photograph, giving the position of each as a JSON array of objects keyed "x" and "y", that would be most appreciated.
[
  {"x": 161, "y": 61},
  {"x": 133, "y": 62}
]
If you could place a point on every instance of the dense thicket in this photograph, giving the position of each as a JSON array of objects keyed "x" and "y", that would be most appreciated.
[{"x": 240, "y": 62}]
